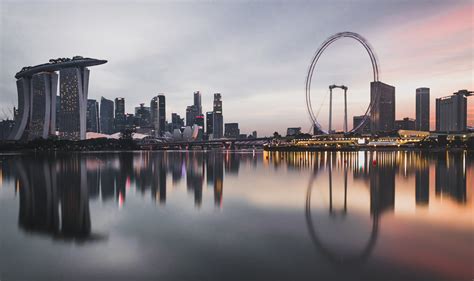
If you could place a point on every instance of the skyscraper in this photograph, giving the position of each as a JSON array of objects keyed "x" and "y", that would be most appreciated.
[
  {"x": 120, "y": 119},
  {"x": 200, "y": 123},
  {"x": 422, "y": 121},
  {"x": 143, "y": 116},
  {"x": 176, "y": 121},
  {"x": 197, "y": 102},
  {"x": 92, "y": 116},
  {"x": 106, "y": 116},
  {"x": 42, "y": 122},
  {"x": 218, "y": 120},
  {"x": 451, "y": 113},
  {"x": 161, "y": 114},
  {"x": 73, "y": 87},
  {"x": 209, "y": 123},
  {"x": 154, "y": 114},
  {"x": 191, "y": 113},
  {"x": 382, "y": 115}
]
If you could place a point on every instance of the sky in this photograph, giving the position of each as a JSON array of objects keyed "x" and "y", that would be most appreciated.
[{"x": 255, "y": 53}]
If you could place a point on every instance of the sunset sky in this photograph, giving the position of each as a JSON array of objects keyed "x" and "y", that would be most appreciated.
[{"x": 256, "y": 54}]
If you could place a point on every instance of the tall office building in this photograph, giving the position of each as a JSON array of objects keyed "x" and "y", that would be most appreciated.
[
  {"x": 120, "y": 119},
  {"x": 422, "y": 109},
  {"x": 106, "y": 116},
  {"x": 382, "y": 117},
  {"x": 209, "y": 123},
  {"x": 176, "y": 121},
  {"x": 92, "y": 116},
  {"x": 154, "y": 114},
  {"x": 218, "y": 120},
  {"x": 197, "y": 102},
  {"x": 232, "y": 130},
  {"x": 200, "y": 123},
  {"x": 143, "y": 116},
  {"x": 451, "y": 113},
  {"x": 73, "y": 88},
  {"x": 161, "y": 114},
  {"x": 191, "y": 113}
]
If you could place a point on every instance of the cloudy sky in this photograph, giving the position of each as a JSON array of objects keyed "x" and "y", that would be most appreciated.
[{"x": 256, "y": 53}]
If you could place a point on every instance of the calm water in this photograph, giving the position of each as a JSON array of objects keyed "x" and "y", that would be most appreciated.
[{"x": 237, "y": 215}]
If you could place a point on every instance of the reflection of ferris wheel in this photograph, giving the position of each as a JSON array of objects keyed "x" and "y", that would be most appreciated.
[
  {"x": 312, "y": 66},
  {"x": 332, "y": 256}
]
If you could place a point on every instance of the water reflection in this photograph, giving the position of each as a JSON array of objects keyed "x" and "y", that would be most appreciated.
[{"x": 55, "y": 191}]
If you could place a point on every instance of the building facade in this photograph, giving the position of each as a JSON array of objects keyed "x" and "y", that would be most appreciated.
[
  {"x": 120, "y": 118},
  {"x": 218, "y": 119},
  {"x": 382, "y": 117},
  {"x": 106, "y": 116},
  {"x": 92, "y": 116},
  {"x": 232, "y": 130},
  {"x": 451, "y": 113},
  {"x": 405, "y": 124},
  {"x": 197, "y": 102},
  {"x": 143, "y": 116},
  {"x": 357, "y": 120},
  {"x": 422, "y": 109},
  {"x": 161, "y": 114},
  {"x": 209, "y": 123},
  {"x": 73, "y": 88}
]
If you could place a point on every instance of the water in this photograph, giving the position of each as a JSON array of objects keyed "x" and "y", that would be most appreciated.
[{"x": 237, "y": 216}]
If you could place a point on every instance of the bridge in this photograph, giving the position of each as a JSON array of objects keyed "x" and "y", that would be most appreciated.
[{"x": 227, "y": 143}]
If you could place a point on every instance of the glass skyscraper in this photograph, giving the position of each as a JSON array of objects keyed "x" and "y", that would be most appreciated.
[
  {"x": 106, "y": 116},
  {"x": 422, "y": 122},
  {"x": 382, "y": 117},
  {"x": 73, "y": 87},
  {"x": 218, "y": 120}
]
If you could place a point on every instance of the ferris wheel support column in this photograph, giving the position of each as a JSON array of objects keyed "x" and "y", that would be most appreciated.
[
  {"x": 330, "y": 109},
  {"x": 345, "y": 109}
]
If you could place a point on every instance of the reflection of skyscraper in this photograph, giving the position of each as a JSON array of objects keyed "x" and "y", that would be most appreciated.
[
  {"x": 232, "y": 163},
  {"x": 422, "y": 181},
  {"x": 218, "y": 179},
  {"x": 382, "y": 185},
  {"x": 75, "y": 216},
  {"x": 38, "y": 196},
  {"x": 73, "y": 87},
  {"x": 93, "y": 181},
  {"x": 195, "y": 177},
  {"x": 45, "y": 187},
  {"x": 450, "y": 177}
]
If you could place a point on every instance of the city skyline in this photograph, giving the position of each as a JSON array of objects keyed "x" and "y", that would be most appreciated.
[{"x": 260, "y": 66}]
